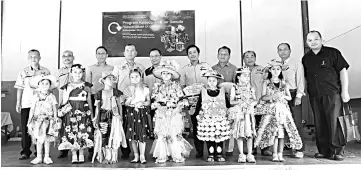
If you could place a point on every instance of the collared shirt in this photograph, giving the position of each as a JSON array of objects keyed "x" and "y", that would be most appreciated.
[
  {"x": 257, "y": 77},
  {"x": 294, "y": 76},
  {"x": 63, "y": 76},
  {"x": 149, "y": 78},
  {"x": 322, "y": 71},
  {"x": 228, "y": 72},
  {"x": 191, "y": 74},
  {"x": 94, "y": 73},
  {"x": 121, "y": 71},
  {"x": 23, "y": 82}
]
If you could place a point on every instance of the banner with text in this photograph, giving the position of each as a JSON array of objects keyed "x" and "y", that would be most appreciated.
[{"x": 169, "y": 31}]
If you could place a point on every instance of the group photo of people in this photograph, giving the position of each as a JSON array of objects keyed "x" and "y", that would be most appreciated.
[{"x": 113, "y": 114}]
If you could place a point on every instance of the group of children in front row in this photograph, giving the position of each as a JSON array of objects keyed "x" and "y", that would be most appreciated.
[{"x": 218, "y": 118}]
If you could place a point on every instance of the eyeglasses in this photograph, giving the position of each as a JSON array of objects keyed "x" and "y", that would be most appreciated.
[
  {"x": 101, "y": 53},
  {"x": 67, "y": 56}
]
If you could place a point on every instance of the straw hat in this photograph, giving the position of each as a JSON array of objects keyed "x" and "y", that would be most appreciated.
[
  {"x": 213, "y": 73},
  {"x": 274, "y": 63},
  {"x": 106, "y": 74},
  {"x": 37, "y": 79},
  {"x": 170, "y": 66},
  {"x": 243, "y": 70}
]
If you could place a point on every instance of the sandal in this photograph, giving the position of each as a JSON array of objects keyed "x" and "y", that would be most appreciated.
[
  {"x": 220, "y": 158},
  {"x": 241, "y": 158},
  {"x": 210, "y": 158}
]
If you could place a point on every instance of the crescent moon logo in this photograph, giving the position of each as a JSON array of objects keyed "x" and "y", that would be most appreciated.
[{"x": 118, "y": 27}]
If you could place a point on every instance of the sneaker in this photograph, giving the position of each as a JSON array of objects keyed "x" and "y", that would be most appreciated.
[
  {"x": 47, "y": 160},
  {"x": 241, "y": 158},
  {"x": 250, "y": 159},
  {"x": 280, "y": 157},
  {"x": 36, "y": 161},
  {"x": 298, "y": 155},
  {"x": 81, "y": 159},
  {"x": 74, "y": 158},
  {"x": 275, "y": 158}
]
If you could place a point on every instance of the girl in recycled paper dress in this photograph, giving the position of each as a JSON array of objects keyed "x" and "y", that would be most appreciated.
[
  {"x": 277, "y": 118},
  {"x": 243, "y": 96},
  {"x": 109, "y": 134},
  {"x": 42, "y": 119},
  {"x": 167, "y": 100},
  {"x": 78, "y": 113}
]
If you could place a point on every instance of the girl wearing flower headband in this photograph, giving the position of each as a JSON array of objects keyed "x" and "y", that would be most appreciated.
[
  {"x": 42, "y": 117},
  {"x": 277, "y": 118},
  {"x": 78, "y": 114},
  {"x": 243, "y": 96},
  {"x": 213, "y": 124},
  {"x": 109, "y": 134},
  {"x": 168, "y": 102},
  {"x": 138, "y": 123}
]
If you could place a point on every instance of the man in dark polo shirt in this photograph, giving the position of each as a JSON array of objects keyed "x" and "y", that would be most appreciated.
[{"x": 327, "y": 80}]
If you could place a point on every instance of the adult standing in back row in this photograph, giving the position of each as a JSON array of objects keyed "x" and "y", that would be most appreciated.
[{"x": 327, "y": 80}]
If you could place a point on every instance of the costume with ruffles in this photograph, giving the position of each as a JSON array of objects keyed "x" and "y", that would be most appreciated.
[
  {"x": 276, "y": 119},
  {"x": 169, "y": 125}
]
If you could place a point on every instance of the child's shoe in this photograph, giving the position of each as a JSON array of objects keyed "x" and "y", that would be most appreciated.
[
  {"x": 275, "y": 158},
  {"x": 47, "y": 160},
  {"x": 74, "y": 158},
  {"x": 280, "y": 157},
  {"x": 241, "y": 158},
  {"x": 250, "y": 159},
  {"x": 36, "y": 161},
  {"x": 81, "y": 159}
]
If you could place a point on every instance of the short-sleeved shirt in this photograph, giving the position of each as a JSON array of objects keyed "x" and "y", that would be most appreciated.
[
  {"x": 191, "y": 74},
  {"x": 63, "y": 76},
  {"x": 122, "y": 70},
  {"x": 94, "y": 73},
  {"x": 23, "y": 82},
  {"x": 322, "y": 71},
  {"x": 149, "y": 78},
  {"x": 294, "y": 76},
  {"x": 228, "y": 72},
  {"x": 257, "y": 76}
]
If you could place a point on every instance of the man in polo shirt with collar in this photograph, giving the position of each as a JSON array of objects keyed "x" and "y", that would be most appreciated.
[
  {"x": 190, "y": 74},
  {"x": 121, "y": 72},
  {"x": 295, "y": 80},
  {"x": 94, "y": 72},
  {"x": 24, "y": 95},
  {"x": 327, "y": 86},
  {"x": 257, "y": 76},
  {"x": 63, "y": 77},
  {"x": 228, "y": 70},
  {"x": 155, "y": 56}
]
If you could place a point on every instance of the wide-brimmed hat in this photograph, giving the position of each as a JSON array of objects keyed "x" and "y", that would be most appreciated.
[
  {"x": 213, "y": 73},
  {"x": 105, "y": 74},
  {"x": 35, "y": 81},
  {"x": 169, "y": 66},
  {"x": 243, "y": 70},
  {"x": 273, "y": 63}
]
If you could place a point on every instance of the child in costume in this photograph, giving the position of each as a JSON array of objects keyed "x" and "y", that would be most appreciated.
[
  {"x": 243, "y": 96},
  {"x": 168, "y": 101},
  {"x": 277, "y": 118},
  {"x": 42, "y": 117},
  {"x": 109, "y": 135},
  {"x": 138, "y": 122},
  {"x": 213, "y": 124},
  {"x": 78, "y": 115}
]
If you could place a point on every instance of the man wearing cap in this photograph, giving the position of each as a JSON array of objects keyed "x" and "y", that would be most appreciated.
[
  {"x": 24, "y": 95},
  {"x": 295, "y": 80},
  {"x": 192, "y": 74},
  {"x": 327, "y": 85},
  {"x": 121, "y": 72}
]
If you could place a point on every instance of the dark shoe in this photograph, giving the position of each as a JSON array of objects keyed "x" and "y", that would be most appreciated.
[
  {"x": 63, "y": 154},
  {"x": 199, "y": 155},
  {"x": 23, "y": 157},
  {"x": 90, "y": 156},
  {"x": 229, "y": 153},
  {"x": 320, "y": 155},
  {"x": 266, "y": 153},
  {"x": 338, "y": 157}
]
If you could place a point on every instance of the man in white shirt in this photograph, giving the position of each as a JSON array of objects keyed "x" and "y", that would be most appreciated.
[
  {"x": 25, "y": 93},
  {"x": 295, "y": 80}
]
